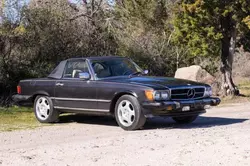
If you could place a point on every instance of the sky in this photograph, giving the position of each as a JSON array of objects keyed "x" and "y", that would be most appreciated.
[{"x": 13, "y": 14}]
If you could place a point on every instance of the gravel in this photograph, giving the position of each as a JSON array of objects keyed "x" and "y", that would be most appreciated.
[{"x": 219, "y": 137}]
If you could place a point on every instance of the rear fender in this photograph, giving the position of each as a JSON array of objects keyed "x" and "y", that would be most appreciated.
[{"x": 38, "y": 93}]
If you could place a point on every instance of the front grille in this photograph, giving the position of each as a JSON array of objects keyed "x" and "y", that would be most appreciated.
[{"x": 187, "y": 93}]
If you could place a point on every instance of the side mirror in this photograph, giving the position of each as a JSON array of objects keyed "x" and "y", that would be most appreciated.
[
  {"x": 84, "y": 76},
  {"x": 146, "y": 72}
]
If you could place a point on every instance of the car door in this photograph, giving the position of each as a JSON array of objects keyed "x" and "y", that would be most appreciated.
[{"x": 73, "y": 93}]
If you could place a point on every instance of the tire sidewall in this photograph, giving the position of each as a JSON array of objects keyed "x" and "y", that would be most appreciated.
[
  {"x": 137, "y": 108},
  {"x": 49, "y": 119}
]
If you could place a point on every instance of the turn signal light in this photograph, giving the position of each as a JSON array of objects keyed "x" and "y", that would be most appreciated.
[
  {"x": 169, "y": 108},
  {"x": 149, "y": 94},
  {"x": 19, "y": 89}
]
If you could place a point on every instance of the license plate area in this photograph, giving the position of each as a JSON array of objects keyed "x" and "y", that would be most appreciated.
[{"x": 186, "y": 108}]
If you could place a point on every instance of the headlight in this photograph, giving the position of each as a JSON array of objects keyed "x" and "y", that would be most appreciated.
[
  {"x": 157, "y": 95},
  {"x": 208, "y": 92},
  {"x": 165, "y": 95}
]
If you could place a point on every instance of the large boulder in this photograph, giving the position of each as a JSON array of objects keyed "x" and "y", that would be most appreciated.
[{"x": 196, "y": 73}]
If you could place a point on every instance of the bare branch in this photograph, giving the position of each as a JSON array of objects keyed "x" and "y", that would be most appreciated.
[{"x": 80, "y": 15}]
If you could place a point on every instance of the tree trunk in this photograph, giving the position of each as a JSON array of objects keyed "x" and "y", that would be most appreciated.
[{"x": 227, "y": 56}]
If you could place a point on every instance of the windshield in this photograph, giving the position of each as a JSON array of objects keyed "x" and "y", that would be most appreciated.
[{"x": 114, "y": 67}]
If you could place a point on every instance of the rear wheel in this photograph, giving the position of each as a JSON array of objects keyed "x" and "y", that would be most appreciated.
[
  {"x": 44, "y": 110},
  {"x": 128, "y": 113},
  {"x": 185, "y": 119}
]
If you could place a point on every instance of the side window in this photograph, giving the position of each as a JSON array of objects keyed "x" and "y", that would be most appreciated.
[
  {"x": 101, "y": 70},
  {"x": 73, "y": 68}
]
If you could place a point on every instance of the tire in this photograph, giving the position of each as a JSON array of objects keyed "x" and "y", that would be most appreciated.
[
  {"x": 44, "y": 110},
  {"x": 128, "y": 113},
  {"x": 185, "y": 119}
]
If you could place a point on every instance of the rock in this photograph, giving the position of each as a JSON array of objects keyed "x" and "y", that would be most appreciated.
[{"x": 196, "y": 73}]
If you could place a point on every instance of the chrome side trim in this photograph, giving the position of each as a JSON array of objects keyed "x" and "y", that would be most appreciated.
[
  {"x": 80, "y": 109},
  {"x": 79, "y": 99}
]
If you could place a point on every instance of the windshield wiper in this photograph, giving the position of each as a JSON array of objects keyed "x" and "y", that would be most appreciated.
[{"x": 135, "y": 74}]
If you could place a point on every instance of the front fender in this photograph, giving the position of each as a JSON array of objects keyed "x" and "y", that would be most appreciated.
[
  {"x": 120, "y": 93},
  {"x": 117, "y": 95}
]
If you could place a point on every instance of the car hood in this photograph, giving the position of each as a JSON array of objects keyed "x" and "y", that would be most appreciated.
[{"x": 155, "y": 82}]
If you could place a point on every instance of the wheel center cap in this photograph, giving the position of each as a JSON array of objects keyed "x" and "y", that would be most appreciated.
[
  {"x": 125, "y": 112},
  {"x": 43, "y": 108}
]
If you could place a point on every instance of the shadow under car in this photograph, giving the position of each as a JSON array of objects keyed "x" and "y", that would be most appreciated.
[{"x": 153, "y": 123}]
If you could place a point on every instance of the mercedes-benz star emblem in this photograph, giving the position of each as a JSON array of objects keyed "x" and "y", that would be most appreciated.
[{"x": 191, "y": 93}]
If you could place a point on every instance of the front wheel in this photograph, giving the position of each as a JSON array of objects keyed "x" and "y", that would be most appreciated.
[
  {"x": 44, "y": 111},
  {"x": 185, "y": 119},
  {"x": 128, "y": 113}
]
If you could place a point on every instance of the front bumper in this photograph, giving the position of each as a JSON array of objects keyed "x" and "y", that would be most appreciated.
[{"x": 174, "y": 108}]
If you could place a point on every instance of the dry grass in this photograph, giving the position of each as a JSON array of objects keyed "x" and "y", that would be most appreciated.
[
  {"x": 244, "y": 87},
  {"x": 17, "y": 118}
]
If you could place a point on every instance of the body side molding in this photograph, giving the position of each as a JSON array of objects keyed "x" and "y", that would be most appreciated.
[
  {"x": 79, "y": 99},
  {"x": 81, "y": 109}
]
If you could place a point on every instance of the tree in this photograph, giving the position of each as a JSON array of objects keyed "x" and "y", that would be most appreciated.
[
  {"x": 143, "y": 31},
  {"x": 213, "y": 28},
  {"x": 37, "y": 36},
  {"x": 12, "y": 61}
]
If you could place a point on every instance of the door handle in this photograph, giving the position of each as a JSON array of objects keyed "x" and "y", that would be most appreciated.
[{"x": 59, "y": 84}]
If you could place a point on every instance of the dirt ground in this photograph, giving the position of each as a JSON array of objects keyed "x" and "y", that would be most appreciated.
[{"x": 219, "y": 137}]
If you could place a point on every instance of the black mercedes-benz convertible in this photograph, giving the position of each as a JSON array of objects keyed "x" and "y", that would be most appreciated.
[{"x": 114, "y": 86}]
